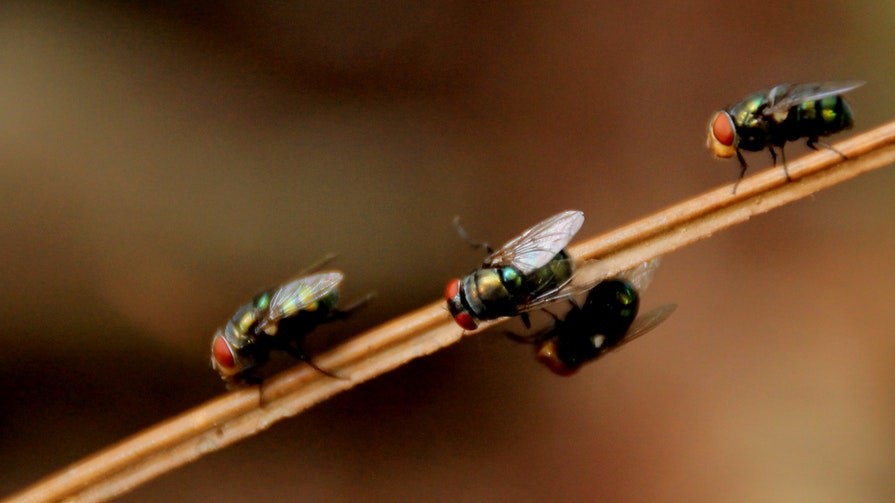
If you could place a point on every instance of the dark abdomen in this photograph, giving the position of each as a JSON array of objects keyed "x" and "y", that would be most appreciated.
[{"x": 817, "y": 118}]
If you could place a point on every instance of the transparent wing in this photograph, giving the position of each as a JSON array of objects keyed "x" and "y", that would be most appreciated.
[
  {"x": 647, "y": 322},
  {"x": 640, "y": 276},
  {"x": 589, "y": 273},
  {"x": 785, "y": 96},
  {"x": 536, "y": 246},
  {"x": 298, "y": 294},
  {"x": 547, "y": 297}
]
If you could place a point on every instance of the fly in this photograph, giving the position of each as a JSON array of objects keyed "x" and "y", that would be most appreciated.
[
  {"x": 784, "y": 113},
  {"x": 526, "y": 271},
  {"x": 605, "y": 321},
  {"x": 277, "y": 319}
]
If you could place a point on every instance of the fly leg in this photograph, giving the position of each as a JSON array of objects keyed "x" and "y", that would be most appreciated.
[
  {"x": 246, "y": 378},
  {"x": 743, "y": 167},
  {"x": 465, "y": 237},
  {"x": 342, "y": 313},
  {"x": 536, "y": 338},
  {"x": 532, "y": 339},
  {"x": 813, "y": 143},
  {"x": 295, "y": 350},
  {"x": 782, "y": 157},
  {"x": 785, "y": 166},
  {"x": 320, "y": 264}
]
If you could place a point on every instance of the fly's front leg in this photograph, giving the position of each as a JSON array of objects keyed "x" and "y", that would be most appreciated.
[{"x": 743, "y": 167}]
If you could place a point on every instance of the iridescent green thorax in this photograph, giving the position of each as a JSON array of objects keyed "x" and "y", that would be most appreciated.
[
  {"x": 243, "y": 323},
  {"x": 747, "y": 112},
  {"x": 492, "y": 292},
  {"x": 262, "y": 300},
  {"x": 752, "y": 128}
]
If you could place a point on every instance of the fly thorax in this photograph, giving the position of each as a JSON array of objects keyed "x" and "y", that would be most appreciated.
[
  {"x": 496, "y": 285},
  {"x": 511, "y": 279},
  {"x": 261, "y": 301},
  {"x": 237, "y": 338},
  {"x": 780, "y": 115},
  {"x": 245, "y": 319},
  {"x": 748, "y": 113},
  {"x": 612, "y": 306}
]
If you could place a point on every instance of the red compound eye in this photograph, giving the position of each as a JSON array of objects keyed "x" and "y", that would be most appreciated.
[
  {"x": 223, "y": 356},
  {"x": 546, "y": 354},
  {"x": 465, "y": 320},
  {"x": 452, "y": 289},
  {"x": 452, "y": 295},
  {"x": 722, "y": 129}
]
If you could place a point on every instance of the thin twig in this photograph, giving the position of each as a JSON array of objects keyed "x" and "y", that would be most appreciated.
[{"x": 239, "y": 414}]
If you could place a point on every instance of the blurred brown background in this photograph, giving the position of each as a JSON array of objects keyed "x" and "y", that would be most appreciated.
[{"x": 159, "y": 163}]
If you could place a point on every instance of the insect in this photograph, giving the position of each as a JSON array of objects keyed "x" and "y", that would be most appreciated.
[
  {"x": 606, "y": 320},
  {"x": 787, "y": 112},
  {"x": 276, "y": 319},
  {"x": 525, "y": 272}
]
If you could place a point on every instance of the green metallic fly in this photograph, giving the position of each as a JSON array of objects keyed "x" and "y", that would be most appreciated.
[
  {"x": 607, "y": 319},
  {"x": 277, "y": 319},
  {"x": 787, "y": 112},
  {"x": 528, "y": 271}
]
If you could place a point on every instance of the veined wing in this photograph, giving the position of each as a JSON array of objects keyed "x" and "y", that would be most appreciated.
[
  {"x": 641, "y": 275},
  {"x": 785, "y": 96},
  {"x": 536, "y": 246},
  {"x": 299, "y": 294},
  {"x": 645, "y": 323}
]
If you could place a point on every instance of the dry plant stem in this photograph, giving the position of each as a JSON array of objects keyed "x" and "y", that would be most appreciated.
[{"x": 244, "y": 412}]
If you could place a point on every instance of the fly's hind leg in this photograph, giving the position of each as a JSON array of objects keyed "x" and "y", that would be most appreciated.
[
  {"x": 320, "y": 264},
  {"x": 296, "y": 351},
  {"x": 342, "y": 313},
  {"x": 813, "y": 144}
]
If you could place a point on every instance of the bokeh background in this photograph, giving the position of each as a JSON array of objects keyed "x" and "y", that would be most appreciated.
[{"x": 161, "y": 162}]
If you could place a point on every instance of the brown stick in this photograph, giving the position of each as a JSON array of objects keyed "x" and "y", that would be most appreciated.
[{"x": 242, "y": 413}]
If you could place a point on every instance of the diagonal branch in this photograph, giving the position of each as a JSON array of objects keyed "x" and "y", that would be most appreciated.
[{"x": 239, "y": 414}]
